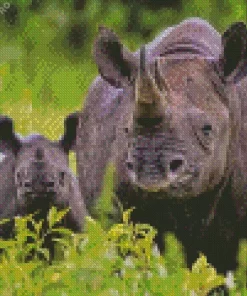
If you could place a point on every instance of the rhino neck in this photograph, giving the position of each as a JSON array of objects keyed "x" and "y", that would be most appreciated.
[{"x": 198, "y": 211}]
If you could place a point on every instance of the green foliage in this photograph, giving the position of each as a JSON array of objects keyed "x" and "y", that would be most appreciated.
[
  {"x": 120, "y": 261},
  {"x": 203, "y": 277},
  {"x": 173, "y": 254},
  {"x": 241, "y": 273},
  {"x": 104, "y": 207},
  {"x": 35, "y": 55}
]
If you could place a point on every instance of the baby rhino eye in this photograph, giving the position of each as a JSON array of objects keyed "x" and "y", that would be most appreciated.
[{"x": 206, "y": 129}]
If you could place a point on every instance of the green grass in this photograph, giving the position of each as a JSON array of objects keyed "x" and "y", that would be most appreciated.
[{"x": 119, "y": 261}]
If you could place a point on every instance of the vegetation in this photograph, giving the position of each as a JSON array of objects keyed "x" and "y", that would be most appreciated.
[
  {"x": 120, "y": 261},
  {"x": 45, "y": 71}
]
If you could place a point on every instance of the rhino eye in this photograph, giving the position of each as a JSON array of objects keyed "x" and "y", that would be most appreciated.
[
  {"x": 61, "y": 178},
  {"x": 27, "y": 184},
  {"x": 206, "y": 129},
  {"x": 18, "y": 176}
]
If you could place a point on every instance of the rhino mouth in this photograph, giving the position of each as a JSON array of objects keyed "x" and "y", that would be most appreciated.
[
  {"x": 160, "y": 162},
  {"x": 39, "y": 203},
  {"x": 39, "y": 190},
  {"x": 179, "y": 182},
  {"x": 36, "y": 199},
  {"x": 32, "y": 202},
  {"x": 171, "y": 182}
]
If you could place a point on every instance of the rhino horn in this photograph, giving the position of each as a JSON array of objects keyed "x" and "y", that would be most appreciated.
[
  {"x": 160, "y": 80},
  {"x": 147, "y": 89}
]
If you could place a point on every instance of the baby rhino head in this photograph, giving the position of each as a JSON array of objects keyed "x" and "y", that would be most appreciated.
[{"x": 41, "y": 169}]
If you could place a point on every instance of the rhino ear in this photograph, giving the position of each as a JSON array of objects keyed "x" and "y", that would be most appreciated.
[
  {"x": 8, "y": 139},
  {"x": 68, "y": 140},
  {"x": 115, "y": 63},
  {"x": 234, "y": 54}
]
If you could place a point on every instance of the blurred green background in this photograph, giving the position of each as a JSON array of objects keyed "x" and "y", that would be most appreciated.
[{"x": 45, "y": 48}]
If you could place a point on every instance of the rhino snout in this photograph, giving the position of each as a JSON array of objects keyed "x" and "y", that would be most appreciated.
[
  {"x": 175, "y": 165},
  {"x": 156, "y": 172},
  {"x": 38, "y": 181}
]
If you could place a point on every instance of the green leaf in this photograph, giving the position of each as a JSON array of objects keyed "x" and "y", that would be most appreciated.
[
  {"x": 55, "y": 216},
  {"x": 63, "y": 231}
]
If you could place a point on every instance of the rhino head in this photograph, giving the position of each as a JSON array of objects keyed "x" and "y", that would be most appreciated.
[
  {"x": 183, "y": 114},
  {"x": 40, "y": 170}
]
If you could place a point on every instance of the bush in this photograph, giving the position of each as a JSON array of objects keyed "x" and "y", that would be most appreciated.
[{"x": 120, "y": 261}]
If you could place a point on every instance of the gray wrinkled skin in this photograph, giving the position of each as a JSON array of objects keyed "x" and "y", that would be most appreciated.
[
  {"x": 174, "y": 125},
  {"x": 187, "y": 161},
  {"x": 35, "y": 176},
  {"x": 107, "y": 108}
]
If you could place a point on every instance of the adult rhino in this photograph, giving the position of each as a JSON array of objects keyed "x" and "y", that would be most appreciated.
[
  {"x": 35, "y": 175},
  {"x": 173, "y": 120}
]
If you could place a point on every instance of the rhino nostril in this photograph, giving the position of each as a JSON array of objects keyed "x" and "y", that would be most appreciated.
[
  {"x": 130, "y": 166},
  {"x": 161, "y": 168},
  {"x": 175, "y": 164},
  {"x": 18, "y": 176},
  {"x": 61, "y": 176},
  {"x": 50, "y": 184}
]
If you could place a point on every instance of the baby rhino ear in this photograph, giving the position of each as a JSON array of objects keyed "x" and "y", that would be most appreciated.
[
  {"x": 116, "y": 64},
  {"x": 8, "y": 139},
  {"x": 234, "y": 51},
  {"x": 68, "y": 139}
]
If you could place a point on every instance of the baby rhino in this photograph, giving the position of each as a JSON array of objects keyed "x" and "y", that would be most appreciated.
[{"x": 35, "y": 175}]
